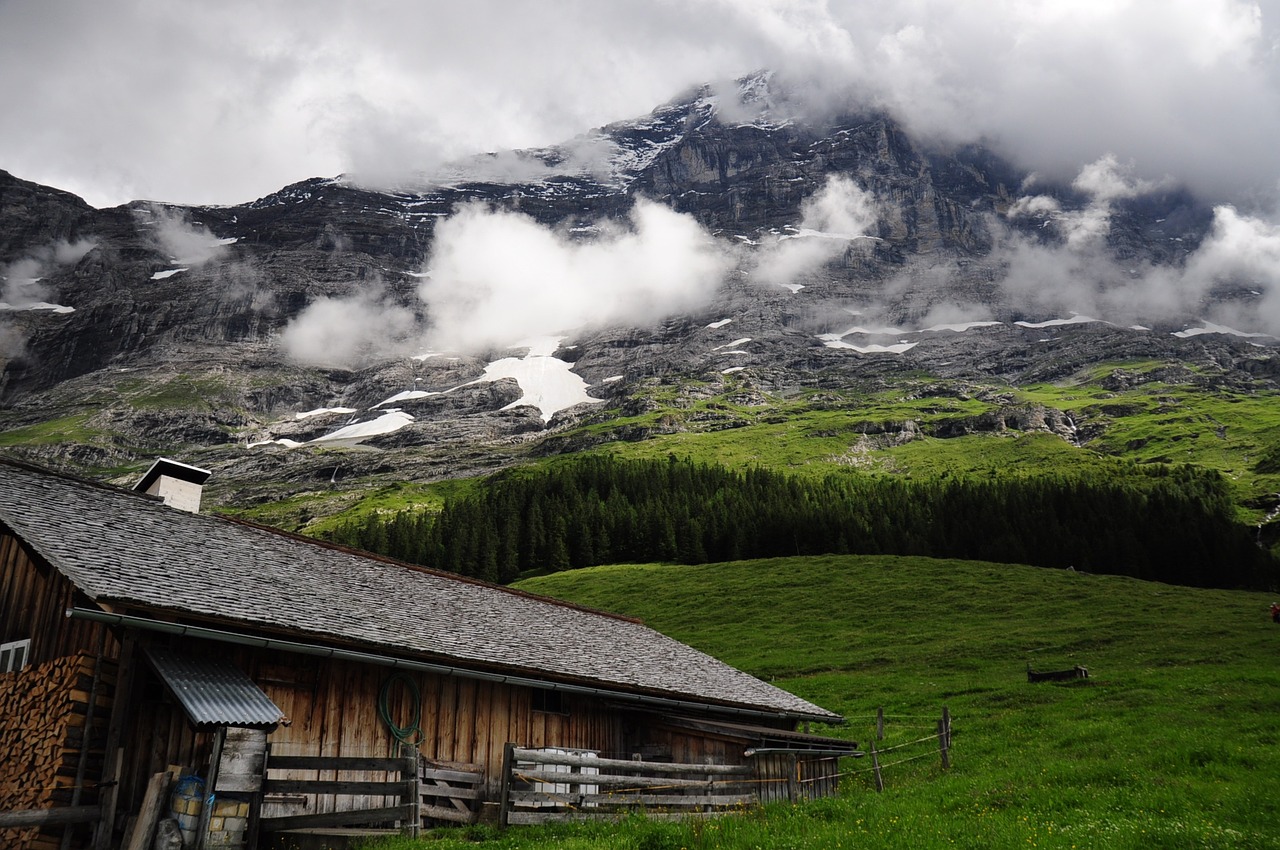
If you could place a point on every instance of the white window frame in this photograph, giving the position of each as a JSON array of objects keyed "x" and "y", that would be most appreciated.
[{"x": 14, "y": 655}]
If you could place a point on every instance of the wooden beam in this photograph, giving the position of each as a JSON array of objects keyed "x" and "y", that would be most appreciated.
[
  {"x": 574, "y": 760},
  {"x": 626, "y": 799},
  {"x": 451, "y": 815},
  {"x": 362, "y": 816},
  {"x": 504, "y": 803},
  {"x": 155, "y": 799},
  {"x": 435, "y": 774},
  {"x": 609, "y": 780},
  {"x": 110, "y": 782},
  {"x": 572, "y": 817},
  {"x": 450, "y": 791},
  {"x": 22, "y": 818},
  {"x": 397, "y": 788},
  {"x": 206, "y": 811},
  {"x": 334, "y": 763},
  {"x": 412, "y": 771}
]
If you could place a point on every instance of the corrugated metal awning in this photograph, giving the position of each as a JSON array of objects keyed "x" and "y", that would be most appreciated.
[{"x": 214, "y": 692}]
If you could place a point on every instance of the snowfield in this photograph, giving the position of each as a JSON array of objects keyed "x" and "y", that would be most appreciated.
[
  {"x": 39, "y": 305},
  {"x": 1211, "y": 328},
  {"x": 1054, "y": 323},
  {"x": 321, "y": 411},
  {"x": 899, "y": 348},
  {"x": 547, "y": 382},
  {"x": 387, "y": 423}
]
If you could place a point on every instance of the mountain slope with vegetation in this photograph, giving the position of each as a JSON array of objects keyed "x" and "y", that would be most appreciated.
[{"x": 1155, "y": 522}]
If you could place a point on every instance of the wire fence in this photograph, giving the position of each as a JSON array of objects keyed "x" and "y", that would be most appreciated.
[{"x": 938, "y": 744}]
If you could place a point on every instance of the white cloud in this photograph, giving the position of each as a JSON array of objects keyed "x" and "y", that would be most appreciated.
[
  {"x": 185, "y": 242},
  {"x": 21, "y": 282},
  {"x": 351, "y": 331},
  {"x": 1080, "y": 274},
  {"x": 498, "y": 276},
  {"x": 22, "y": 285},
  {"x": 1243, "y": 250},
  {"x": 223, "y": 102},
  {"x": 830, "y": 220}
]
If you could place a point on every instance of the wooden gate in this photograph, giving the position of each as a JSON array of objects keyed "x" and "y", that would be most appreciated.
[
  {"x": 451, "y": 790},
  {"x": 386, "y": 791}
]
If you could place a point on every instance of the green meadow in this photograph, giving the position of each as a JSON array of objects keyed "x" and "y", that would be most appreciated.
[{"x": 1171, "y": 743}]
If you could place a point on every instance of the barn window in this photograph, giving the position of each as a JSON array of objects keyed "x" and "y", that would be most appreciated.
[
  {"x": 14, "y": 654},
  {"x": 552, "y": 702}
]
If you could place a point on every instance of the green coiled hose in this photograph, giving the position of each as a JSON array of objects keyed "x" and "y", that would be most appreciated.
[{"x": 410, "y": 733}]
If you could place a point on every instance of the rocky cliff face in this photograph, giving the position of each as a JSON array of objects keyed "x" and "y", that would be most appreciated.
[{"x": 160, "y": 333}]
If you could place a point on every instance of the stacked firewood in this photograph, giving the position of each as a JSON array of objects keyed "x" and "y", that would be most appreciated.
[{"x": 43, "y": 714}]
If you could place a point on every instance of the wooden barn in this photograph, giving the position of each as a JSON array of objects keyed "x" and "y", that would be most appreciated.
[{"x": 157, "y": 663}]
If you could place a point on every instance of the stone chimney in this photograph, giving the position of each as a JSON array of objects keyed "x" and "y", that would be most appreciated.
[{"x": 178, "y": 484}]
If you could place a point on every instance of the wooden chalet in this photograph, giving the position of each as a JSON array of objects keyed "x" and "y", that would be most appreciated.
[{"x": 151, "y": 657}]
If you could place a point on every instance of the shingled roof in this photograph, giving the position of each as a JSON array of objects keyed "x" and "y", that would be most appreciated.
[{"x": 122, "y": 547}]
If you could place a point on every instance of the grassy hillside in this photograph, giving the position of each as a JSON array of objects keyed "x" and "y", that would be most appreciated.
[
  {"x": 1144, "y": 412},
  {"x": 922, "y": 428},
  {"x": 1171, "y": 743}
]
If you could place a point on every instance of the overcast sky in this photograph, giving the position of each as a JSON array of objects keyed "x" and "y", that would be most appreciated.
[{"x": 223, "y": 102}]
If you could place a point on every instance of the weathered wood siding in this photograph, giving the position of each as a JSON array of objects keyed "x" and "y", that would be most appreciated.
[
  {"x": 792, "y": 776},
  {"x": 333, "y": 710},
  {"x": 33, "y": 601},
  {"x": 681, "y": 745}
]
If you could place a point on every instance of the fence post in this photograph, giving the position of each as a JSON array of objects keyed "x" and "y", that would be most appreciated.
[
  {"x": 504, "y": 803},
  {"x": 946, "y": 724},
  {"x": 875, "y": 764},
  {"x": 942, "y": 745},
  {"x": 880, "y": 723},
  {"x": 414, "y": 784}
]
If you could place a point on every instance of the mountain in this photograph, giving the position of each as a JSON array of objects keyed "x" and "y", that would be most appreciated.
[{"x": 846, "y": 261}]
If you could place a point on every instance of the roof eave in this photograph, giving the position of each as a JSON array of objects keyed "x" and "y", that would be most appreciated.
[{"x": 602, "y": 690}]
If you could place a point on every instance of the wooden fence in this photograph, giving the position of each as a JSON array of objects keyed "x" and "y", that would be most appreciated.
[
  {"x": 451, "y": 790},
  {"x": 542, "y": 786},
  {"x": 941, "y": 739},
  {"x": 404, "y": 787}
]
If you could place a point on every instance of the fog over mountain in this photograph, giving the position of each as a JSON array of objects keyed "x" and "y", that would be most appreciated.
[{"x": 221, "y": 103}]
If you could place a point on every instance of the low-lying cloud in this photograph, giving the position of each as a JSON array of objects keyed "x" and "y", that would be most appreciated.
[
  {"x": 352, "y": 331},
  {"x": 830, "y": 219},
  {"x": 22, "y": 285},
  {"x": 497, "y": 277},
  {"x": 185, "y": 242},
  {"x": 1241, "y": 251},
  {"x": 21, "y": 282}
]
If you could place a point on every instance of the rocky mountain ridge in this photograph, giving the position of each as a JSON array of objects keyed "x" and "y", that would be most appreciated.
[{"x": 164, "y": 334}]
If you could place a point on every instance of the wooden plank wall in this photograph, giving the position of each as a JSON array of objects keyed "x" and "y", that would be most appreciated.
[
  {"x": 680, "y": 745},
  {"x": 332, "y": 707},
  {"x": 157, "y": 734},
  {"x": 33, "y": 601},
  {"x": 795, "y": 776}
]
